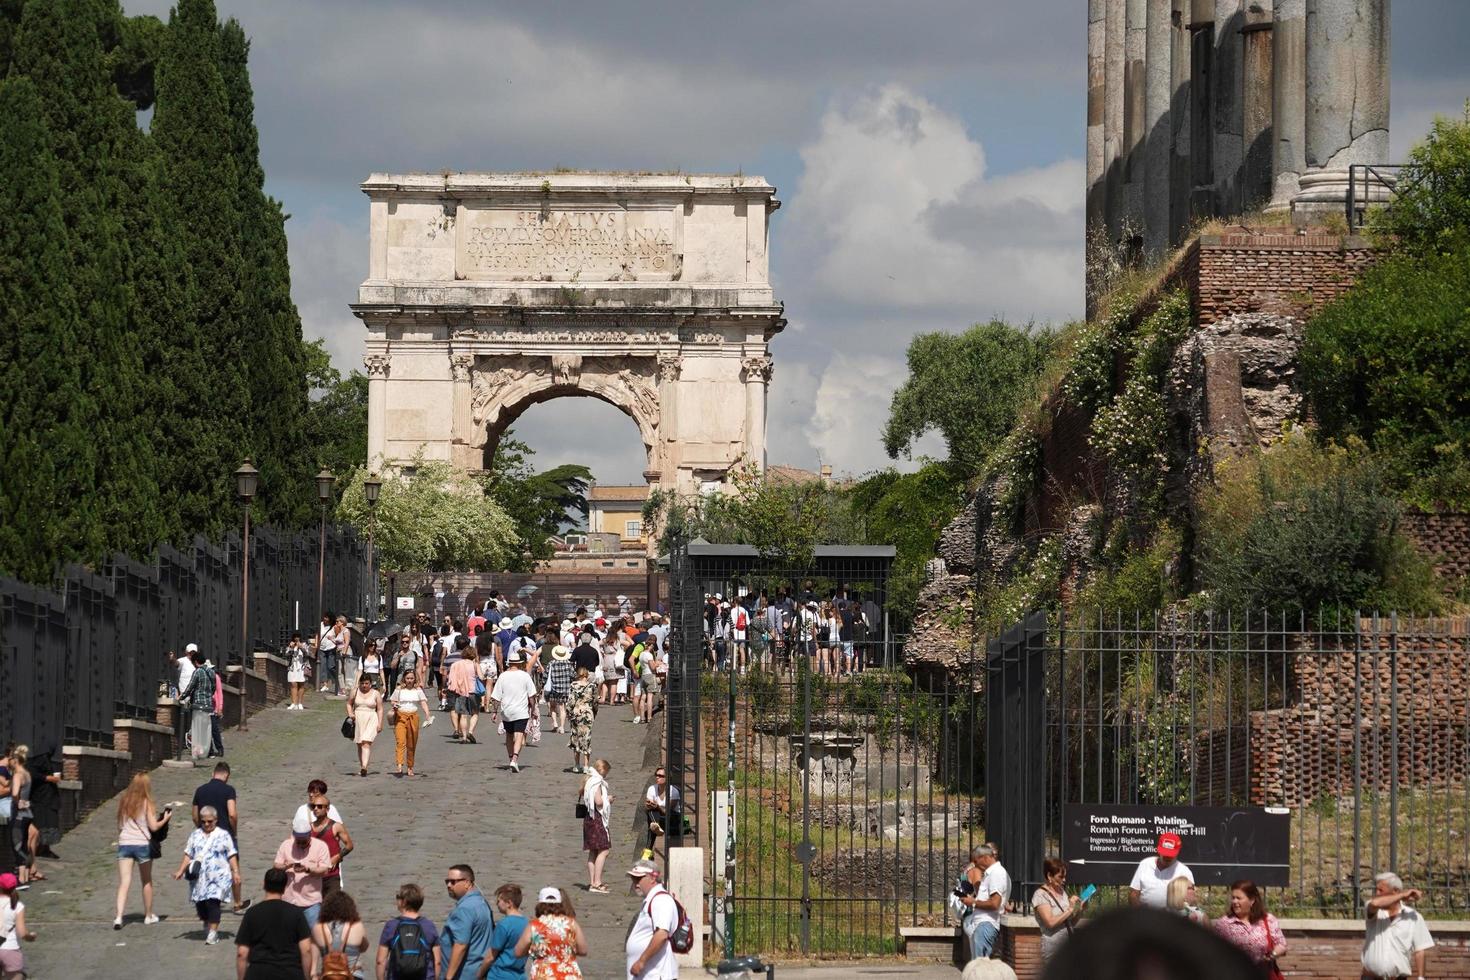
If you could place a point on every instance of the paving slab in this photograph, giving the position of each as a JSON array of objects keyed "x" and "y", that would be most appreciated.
[{"x": 464, "y": 806}]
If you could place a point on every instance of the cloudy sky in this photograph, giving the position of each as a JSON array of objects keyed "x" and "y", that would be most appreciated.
[{"x": 929, "y": 156}]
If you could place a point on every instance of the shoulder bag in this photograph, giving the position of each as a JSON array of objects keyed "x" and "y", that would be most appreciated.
[{"x": 349, "y": 727}]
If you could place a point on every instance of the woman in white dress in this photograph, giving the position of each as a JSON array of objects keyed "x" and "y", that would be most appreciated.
[
  {"x": 365, "y": 708},
  {"x": 298, "y": 657}
]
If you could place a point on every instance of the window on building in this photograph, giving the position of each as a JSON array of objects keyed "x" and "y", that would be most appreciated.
[{"x": 633, "y": 529}]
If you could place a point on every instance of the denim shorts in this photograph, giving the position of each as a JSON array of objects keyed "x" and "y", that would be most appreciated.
[{"x": 138, "y": 852}]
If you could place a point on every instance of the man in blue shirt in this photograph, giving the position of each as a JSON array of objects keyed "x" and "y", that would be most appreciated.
[{"x": 465, "y": 938}]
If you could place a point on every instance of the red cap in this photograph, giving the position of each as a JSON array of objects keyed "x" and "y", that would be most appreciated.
[{"x": 1169, "y": 845}]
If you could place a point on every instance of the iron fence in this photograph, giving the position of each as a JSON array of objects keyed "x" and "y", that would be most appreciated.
[
  {"x": 74, "y": 659},
  {"x": 1359, "y": 726}
]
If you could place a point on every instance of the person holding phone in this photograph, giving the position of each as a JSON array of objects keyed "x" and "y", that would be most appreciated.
[
  {"x": 305, "y": 859},
  {"x": 1056, "y": 911},
  {"x": 137, "y": 819}
]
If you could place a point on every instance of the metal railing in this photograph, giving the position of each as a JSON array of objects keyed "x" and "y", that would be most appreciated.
[
  {"x": 1369, "y": 185},
  {"x": 73, "y": 660}
]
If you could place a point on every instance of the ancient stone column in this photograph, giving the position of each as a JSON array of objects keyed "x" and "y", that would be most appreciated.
[
  {"x": 1289, "y": 101},
  {"x": 1347, "y": 97},
  {"x": 1228, "y": 106},
  {"x": 1156, "y": 136},
  {"x": 757, "y": 372},
  {"x": 1096, "y": 82},
  {"x": 1114, "y": 22},
  {"x": 1134, "y": 92},
  {"x": 670, "y": 363},
  {"x": 461, "y": 433},
  {"x": 377, "y": 372},
  {"x": 1179, "y": 109}
]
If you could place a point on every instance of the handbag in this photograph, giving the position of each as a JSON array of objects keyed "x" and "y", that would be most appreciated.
[
  {"x": 581, "y": 809},
  {"x": 1273, "y": 971},
  {"x": 192, "y": 871},
  {"x": 349, "y": 727}
]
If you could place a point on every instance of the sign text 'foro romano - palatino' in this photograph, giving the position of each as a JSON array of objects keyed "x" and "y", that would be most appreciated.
[{"x": 586, "y": 245}]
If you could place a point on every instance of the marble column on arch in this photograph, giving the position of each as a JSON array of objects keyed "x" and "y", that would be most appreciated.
[
  {"x": 757, "y": 372},
  {"x": 377, "y": 371},
  {"x": 461, "y": 437},
  {"x": 669, "y": 364},
  {"x": 1347, "y": 98}
]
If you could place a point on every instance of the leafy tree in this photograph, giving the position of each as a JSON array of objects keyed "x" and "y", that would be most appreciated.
[
  {"x": 46, "y": 451},
  {"x": 273, "y": 355},
  {"x": 335, "y": 422},
  {"x": 1431, "y": 207},
  {"x": 194, "y": 132},
  {"x": 538, "y": 503},
  {"x": 967, "y": 386},
  {"x": 434, "y": 519},
  {"x": 908, "y": 511},
  {"x": 1386, "y": 362}
]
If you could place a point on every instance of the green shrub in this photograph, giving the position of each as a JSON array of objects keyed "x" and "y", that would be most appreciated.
[
  {"x": 1387, "y": 363},
  {"x": 1308, "y": 529},
  {"x": 1140, "y": 580},
  {"x": 1431, "y": 209}
]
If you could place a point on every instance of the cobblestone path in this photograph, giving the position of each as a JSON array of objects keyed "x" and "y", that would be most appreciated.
[{"x": 463, "y": 807}]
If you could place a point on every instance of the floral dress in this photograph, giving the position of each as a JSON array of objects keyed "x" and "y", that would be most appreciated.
[
  {"x": 581, "y": 702},
  {"x": 213, "y": 852},
  {"x": 553, "y": 949}
]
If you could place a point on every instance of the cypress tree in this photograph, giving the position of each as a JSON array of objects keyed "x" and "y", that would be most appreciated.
[
  {"x": 46, "y": 451},
  {"x": 274, "y": 358},
  {"x": 193, "y": 132},
  {"x": 60, "y": 48}
]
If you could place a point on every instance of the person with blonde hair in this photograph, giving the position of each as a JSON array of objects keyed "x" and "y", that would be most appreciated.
[
  {"x": 137, "y": 819},
  {"x": 596, "y": 839},
  {"x": 1182, "y": 900}
]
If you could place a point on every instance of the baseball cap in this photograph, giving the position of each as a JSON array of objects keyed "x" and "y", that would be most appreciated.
[
  {"x": 301, "y": 825},
  {"x": 641, "y": 869},
  {"x": 548, "y": 895},
  {"x": 1169, "y": 845},
  {"x": 192, "y": 648}
]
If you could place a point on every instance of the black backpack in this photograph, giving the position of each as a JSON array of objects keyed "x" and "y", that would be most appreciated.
[{"x": 410, "y": 953}]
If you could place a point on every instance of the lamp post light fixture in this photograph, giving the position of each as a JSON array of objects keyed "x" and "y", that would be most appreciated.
[
  {"x": 247, "y": 479},
  {"x": 370, "y": 489},
  {"x": 324, "y": 483}
]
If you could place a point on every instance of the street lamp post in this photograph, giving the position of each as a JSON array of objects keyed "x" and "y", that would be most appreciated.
[
  {"x": 247, "y": 478},
  {"x": 324, "y": 482},
  {"x": 370, "y": 488}
]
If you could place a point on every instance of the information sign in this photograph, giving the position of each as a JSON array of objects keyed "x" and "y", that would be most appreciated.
[{"x": 1103, "y": 843}]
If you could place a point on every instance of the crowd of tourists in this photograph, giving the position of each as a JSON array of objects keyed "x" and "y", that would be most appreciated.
[
  {"x": 836, "y": 635},
  {"x": 1395, "y": 945}
]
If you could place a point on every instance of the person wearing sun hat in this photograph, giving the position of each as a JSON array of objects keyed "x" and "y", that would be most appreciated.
[
  {"x": 648, "y": 953},
  {"x": 553, "y": 939},
  {"x": 1150, "y": 884},
  {"x": 559, "y": 674}
]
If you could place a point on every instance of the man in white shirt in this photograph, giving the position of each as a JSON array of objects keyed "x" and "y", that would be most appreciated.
[
  {"x": 648, "y": 953},
  {"x": 992, "y": 892},
  {"x": 1150, "y": 884},
  {"x": 1396, "y": 939},
  {"x": 512, "y": 695}
]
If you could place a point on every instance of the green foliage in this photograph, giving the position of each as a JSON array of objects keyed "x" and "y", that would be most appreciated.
[
  {"x": 1089, "y": 380},
  {"x": 1431, "y": 207},
  {"x": 538, "y": 503},
  {"x": 1035, "y": 584},
  {"x": 335, "y": 421},
  {"x": 45, "y": 450},
  {"x": 783, "y": 520},
  {"x": 908, "y": 511},
  {"x": 1139, "y": 581},
  {"x": 1386, "y": 362},
  {"x": 968, "y": 387},
  {"x": 1308, "y": 529},
  {"x": 435, "y": 519},
  {"x": 1131, "y": 430}
]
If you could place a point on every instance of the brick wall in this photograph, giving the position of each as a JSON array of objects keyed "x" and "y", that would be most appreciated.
[
  {"x": 1444, "y": 538},
  {"x": 1315, "y": 948}
]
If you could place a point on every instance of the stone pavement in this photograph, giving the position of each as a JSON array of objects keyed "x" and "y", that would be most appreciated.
[{"x": 464, "y": 806}]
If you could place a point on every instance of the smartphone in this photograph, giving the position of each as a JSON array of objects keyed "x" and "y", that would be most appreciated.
[{"x": 1087, "y": 893}]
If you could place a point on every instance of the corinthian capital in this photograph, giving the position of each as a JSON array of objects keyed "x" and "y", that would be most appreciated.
[
  {"x": 460, "y": 365},
  {"x": 669, "y": 365},
  {"x": 758, "y": 368},
  {"x": 377, "y": 365}
]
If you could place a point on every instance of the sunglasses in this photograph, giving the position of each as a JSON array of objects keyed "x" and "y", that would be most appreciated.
[
  {"x": 319, "y": 806},
  {"x": 454, "y": 881}
]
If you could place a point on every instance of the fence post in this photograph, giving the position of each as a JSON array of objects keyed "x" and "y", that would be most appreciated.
[
  {"x": 1393, "y": 741},
  {"x": 1357, "y": 758}
]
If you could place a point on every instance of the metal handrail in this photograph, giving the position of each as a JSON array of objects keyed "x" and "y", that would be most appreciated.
[{"x": 1363, "y": 180}]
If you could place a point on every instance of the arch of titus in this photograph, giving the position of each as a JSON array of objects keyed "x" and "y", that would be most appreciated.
[{"x": 488, "y": 293}]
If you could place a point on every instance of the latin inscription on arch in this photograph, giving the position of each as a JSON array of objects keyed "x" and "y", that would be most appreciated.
[{"x": 570, "y": 245}]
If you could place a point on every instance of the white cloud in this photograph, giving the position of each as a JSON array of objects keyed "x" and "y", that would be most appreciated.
[{"x": 328, "y": 260}]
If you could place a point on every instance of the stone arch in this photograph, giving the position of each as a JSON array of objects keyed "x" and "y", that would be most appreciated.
[{"x": 503, "y": 387}]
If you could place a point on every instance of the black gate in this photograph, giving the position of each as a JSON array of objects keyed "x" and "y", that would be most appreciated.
[{"x": 1015, "y": 746}]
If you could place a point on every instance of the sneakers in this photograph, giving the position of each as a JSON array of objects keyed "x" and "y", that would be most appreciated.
[
  {"x": 638, "y": 721},
  {"x": 244, "y": 904},
  {"x": 212, "y": 939},
  {"x": 515, "y": 766},
  {"x": 117, "y": 923},
  {"x": 148, "y": 920}
]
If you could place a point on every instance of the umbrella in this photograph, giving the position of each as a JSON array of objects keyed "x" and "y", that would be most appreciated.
[{"x": 384, "y": 630}]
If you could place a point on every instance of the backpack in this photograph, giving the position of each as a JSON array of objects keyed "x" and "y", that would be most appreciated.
[
  {"x": 681, "y": 940},
  {"x": 335, "y": 965},
  {"x": 409, "y": 952},
  {"x": 741, "y": 620}
]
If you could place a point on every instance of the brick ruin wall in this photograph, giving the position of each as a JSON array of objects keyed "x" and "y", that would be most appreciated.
[
  {"x": 1443, "y": 538},
  {"x": 1304, "y": 751}
]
